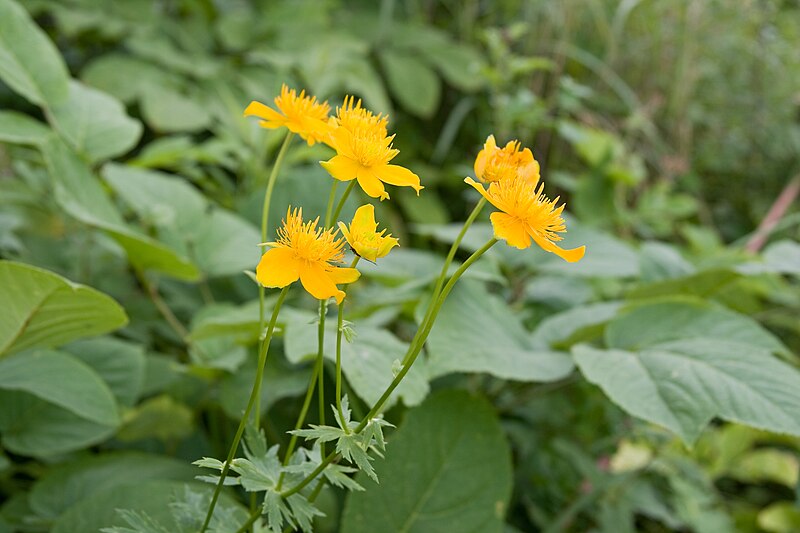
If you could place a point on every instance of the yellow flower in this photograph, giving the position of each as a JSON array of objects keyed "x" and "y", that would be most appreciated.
[
  {"x": 363, "y": 236},
  {"x": 301, "y": 114},
  {"x": 495, "y": 164},
  {"x": 526, "y": 214},
  {"x": 305, "y": 252},
  {"x": 363, "y": 152}
]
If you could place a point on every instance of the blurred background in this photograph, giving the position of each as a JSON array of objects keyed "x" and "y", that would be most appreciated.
[{"x": 669, "y": 127}]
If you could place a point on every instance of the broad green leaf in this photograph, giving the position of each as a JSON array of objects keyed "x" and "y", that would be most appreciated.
[
  {"x": 159, "y": 417},
  {"x": 660, "y": 261},
  {"x": 94, "y": 123},
  {"x": 33, "y": 427},
  {"x": 703, "y": 284},
  {"x": 124, "y": 76},
  {"x": 651, "y": 322},
  {"x": 120, "y": 363},
  {"x": 448, "y": 468},
  {"x": 574, "y": 325},
  {"x": 240, "y": 322},
  {"x": 21, "y": 129},
  {"x": 477, "y": 332},
  {"x": 606, "y": 255},
  {"x": 167, "y": 110},
  {"x": 42, "y": 309},
  {"x": 682, "y": 385},
  {"x": 220, "y": 242},
  {"x": 284, "y": 380},
  {"x": 99, "y": 509},
  {"x": 420, "y": 97},
  {"x": 782, "y": 257},
  {"x": 29, "y": 62},
  {"x": 766, "y": 464},
  {"x": 65, "y": 485},
  {"x": 62, "y": 380},
  {"x": 780, "y": 517},
  {"x": 82, "y": 196},
  {"x": 367, "y": 362}
]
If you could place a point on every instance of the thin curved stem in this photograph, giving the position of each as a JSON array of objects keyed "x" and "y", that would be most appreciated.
[
  {"x": 323, "y": 308},
  {"x": 254, "y": 397},
  {"x": 411, "y": 356},
  {"x": 447, "y": 262},
  {"x": 339, "y": 332},
  {"x": 265, "y": 207},
  {"x": 161, "y": 305},
  {"x": 342, "y": 200}
]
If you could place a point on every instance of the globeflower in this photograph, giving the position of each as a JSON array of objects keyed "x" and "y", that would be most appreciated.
[
  {"x": 526, "y": 213},
  {"x": 305, "y": 252},
  {"x": 496, "y": 164},
  {"x": 301, "y": 114},
  {"x": 363, "y": 151},
  {"x": 363, "y": 236}
]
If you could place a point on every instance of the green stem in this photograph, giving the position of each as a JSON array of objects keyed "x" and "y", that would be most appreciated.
[
  {"x": 254, "y": 396},
  {"x": 161, "y": 305},
  {"x": 342, "y": 200},
  {"x": 273, "y": 177},
  {"x": 411, "y": 356},
  {"x": 323, "y": 307},
  {"x": 422, "y": 335},
  {"x": 339, "y": 331},
  {"x": 254, "y": 514},
  {"x": 331, "y": 199},
  {"x": 299, "y": 424},
  {"x": 447, "y": 262}
]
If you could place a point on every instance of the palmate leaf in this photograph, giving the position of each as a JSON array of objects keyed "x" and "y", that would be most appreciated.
[
  {"x": 682, "y": 385},
  {"x": 303, "y": 511},
  {"x": 139, "y": 522},
  {"x": 351, "y": 448}
]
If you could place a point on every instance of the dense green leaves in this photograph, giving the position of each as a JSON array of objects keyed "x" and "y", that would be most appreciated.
[
  {"x": 421, "y": 97},
  {"x": 73, "y": 406},
  {"x": 21, "y": 129},
  {"x": 683, "y": 384},
  {"x": 94, "y": 123},
  {"x": 29, "y": 63},
  {"x": 41, "y": 309},
  {"x": 448, "y": 470},
  {"x": 476, "y": 332},
  {"x": 82, "y": 196},
  {"x": 218, "y": 241}
]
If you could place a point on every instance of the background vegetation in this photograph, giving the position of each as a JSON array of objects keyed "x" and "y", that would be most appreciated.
[{"x": 669, "y": 128}]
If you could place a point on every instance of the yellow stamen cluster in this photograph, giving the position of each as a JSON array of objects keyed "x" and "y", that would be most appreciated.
[{"x": 307, "y": 241}]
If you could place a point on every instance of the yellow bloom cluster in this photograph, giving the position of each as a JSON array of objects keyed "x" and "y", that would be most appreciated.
[{"x": 514, "y": 188}]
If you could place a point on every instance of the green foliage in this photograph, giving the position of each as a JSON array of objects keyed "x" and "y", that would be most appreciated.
[{"x": 653, "y": 386}]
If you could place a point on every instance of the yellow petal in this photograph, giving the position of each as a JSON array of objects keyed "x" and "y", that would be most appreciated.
[
  {"x": 480, "y": 162},
  {"x": 570, "y": 256},
  {"x": 257, "y": 109},
  {"x": 364, "y": 220},
  {"x": 511, "y": 230},
  {"x": 397, "y": 175},
  {"x": 343, "y": 274},
  {"x": 345, "y": 232},
  {"x": 371, "y": 184},
  {"x": 317, "y": 281},
  {"x": 478, "y": 187},
  {"x": 387, "y": 243},
  {"x": 277, "y": 268},
  {"x": 341, "y": 168}
]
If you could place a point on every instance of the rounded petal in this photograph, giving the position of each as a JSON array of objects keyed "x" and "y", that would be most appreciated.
[
  {"x": 480, "y": 162},
  {"x": 387, "y": 243},
  {"x": 530, "y": 170},
  {"x": 278, "y": 268},
  {"x": 345, "y": 232},
  {"x": 511, "y": 230},
  {"x": 371, "y": 184},
  {"x": 570, "y": 256},
  {"x": 318, "y": 282},
  {"x": 257, "y": 109},
  {"x": 341, "y": 168},
  {"x": 364, "y": 219},
  {"x": 343, "y": 274},
  {"x": 397, "y": 175}
]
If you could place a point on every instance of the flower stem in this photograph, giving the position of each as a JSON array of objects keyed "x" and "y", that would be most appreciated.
[
  {"x": 342, "y": 200},
  {"x": 323, "y": 308},
  {"x": 339, "y": 332},
  {"x": 447, "y": 262},
  {"x": 422, "y": 333},
  {"x": 161, "y": 305},
  {"x": 254, "y": 398},
  {"x": 411, "y": 356},
  {"x": 273, "y": 177}
]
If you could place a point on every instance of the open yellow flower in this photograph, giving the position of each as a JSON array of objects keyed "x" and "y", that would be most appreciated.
[
  {"x": 305, "y": 252},
  {"x": 526, "y": 213},
  {"x": 363, "y": 236},
  {"x": 301, "y": 114},
  {"x": 363, "y": 152},
  {"x": 496, "y": 164}
]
